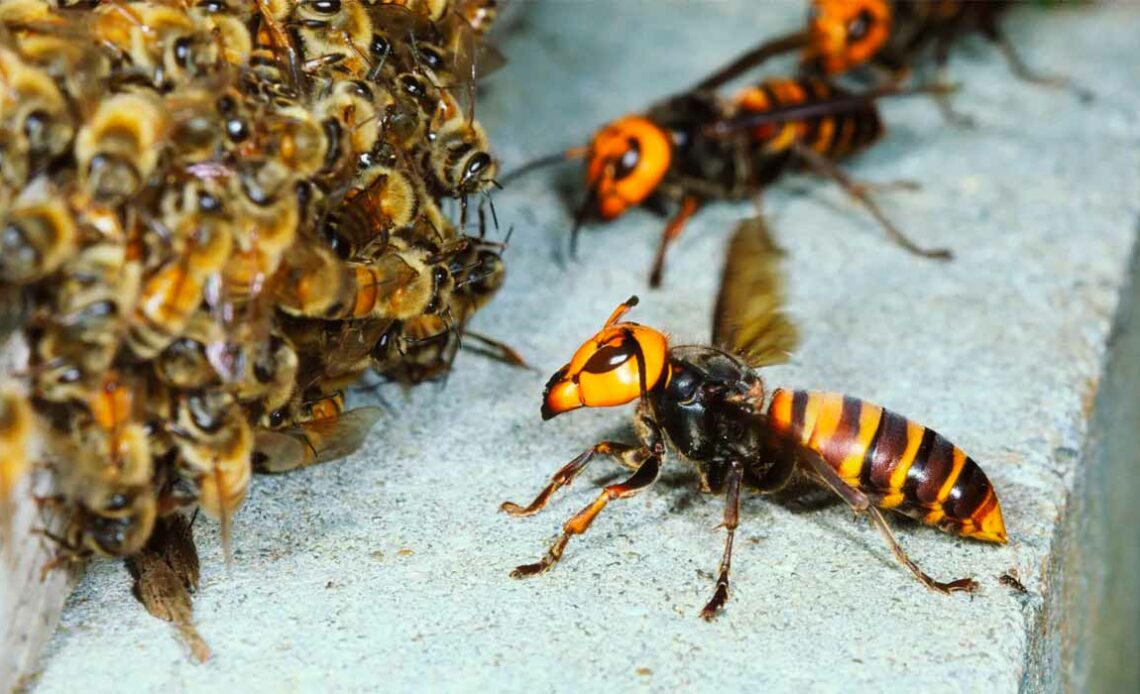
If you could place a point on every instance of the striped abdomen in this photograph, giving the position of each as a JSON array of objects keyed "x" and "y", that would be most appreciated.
[
  {"x": 833, "y": 135},
  {"x": 900, "y": 464}
]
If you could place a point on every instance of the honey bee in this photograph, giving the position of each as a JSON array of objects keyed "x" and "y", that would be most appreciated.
[
  {"x": 424, "y": 347},
  {"x": 76, "y": 331},
  {"x": 35, "y": 118},
  {"x": 202, "y": 236},
  {"x": 215, "y": 443},
  {"x": 384, "y": 199},
  {"x": 322, "y": 431},
  {"x": 401, "y": 284},
  {"x": 58, "y": 45},
  {"x": 184, "y": 364},
  {"x": 210, "y": 122},
  {"x": 117, "y": 149},
  {"x": 350, "y": 121},
  {"x": 165, "y": 45},
  {"x": 709, "y": 404},
  {"x": 270, "y": 377},
  {"x": 17, "y": 427},
  {"x": 108, "y": 475},
  {"x": 458, "y": 159},
  {"x": 333, "y": 32},
  {"x": 39, "y": 233}
]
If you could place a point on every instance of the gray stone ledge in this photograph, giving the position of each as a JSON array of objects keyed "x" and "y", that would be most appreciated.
[{"x": 390, "y": 569}]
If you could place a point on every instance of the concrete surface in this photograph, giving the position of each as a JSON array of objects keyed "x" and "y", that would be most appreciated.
[{"x": 389, "y": 570}]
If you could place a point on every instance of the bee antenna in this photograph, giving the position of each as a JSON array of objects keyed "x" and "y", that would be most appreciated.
[{"x": 491, "y": 204}]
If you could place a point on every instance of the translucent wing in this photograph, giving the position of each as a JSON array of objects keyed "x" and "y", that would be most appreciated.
[
  {"x": 749, "y": 319},
  {"x": 318, "y": 441}
]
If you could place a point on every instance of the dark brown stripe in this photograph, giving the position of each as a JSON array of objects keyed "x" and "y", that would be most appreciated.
[
  {"x": 799, "y": 407},
  {"x": 968, "y": 492},
  {"x": 885, "y": 451},
  {"x": 937, "y": 468},
  {"x": 916, "y": 475},
  {"x": 847, "y": 429}
]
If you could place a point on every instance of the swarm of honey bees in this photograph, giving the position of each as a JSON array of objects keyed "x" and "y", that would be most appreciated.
[{"x": 216, "y": 216}]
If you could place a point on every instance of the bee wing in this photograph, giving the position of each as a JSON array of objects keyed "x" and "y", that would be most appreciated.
[
  {"x": 278, "y": 451},
  {"x": 340, "y": 436},
  {"x": 749, "y": 319}
]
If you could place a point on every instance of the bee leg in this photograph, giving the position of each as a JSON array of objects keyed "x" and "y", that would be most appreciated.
[
  {"x": 689, "y": 207},
  {"x": 566, "y": 475},
  {"x": 645, "y": 476},
  {"x": 497, "y": 350},
  {"x": 825, "y": 167},
  {"x": 731, "y": 520},
  {"x": 861, "y": 503}
]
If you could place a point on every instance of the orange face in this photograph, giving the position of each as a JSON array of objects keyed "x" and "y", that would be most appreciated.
[
  {"x": 846, "y": 33},
  {"x": 614, "y": 367},
  {"x": 627, "y": 159}
]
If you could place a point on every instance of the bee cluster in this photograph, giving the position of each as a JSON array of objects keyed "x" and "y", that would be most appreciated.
[{"x": 215, "y": 216}]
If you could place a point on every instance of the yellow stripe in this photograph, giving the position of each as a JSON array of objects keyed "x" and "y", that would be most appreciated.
[
  {"x": 869, "y": 417},
  {"x": 780, "y": 411},
  {"x": 955, "y": 471},
  {"x": 824, "y": 135},
  {"x": 828, "y": 411},
  {"x": 914, "y": 433}
]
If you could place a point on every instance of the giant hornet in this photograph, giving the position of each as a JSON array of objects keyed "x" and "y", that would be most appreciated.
[
  {"x": 707, "y": 402},
  {"x": 885, "y": 37},
  {"x": 694, "y": 147}
]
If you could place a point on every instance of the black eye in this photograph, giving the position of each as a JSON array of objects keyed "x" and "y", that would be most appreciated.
[
  {"x": 182, "y": 52},
  {"x": 439, "y": 276},
  {"x": 327, "y": 6},
  {"x": 35, "y": 126},
  {"x": 629, "y": 160},
  {"x": 431, "y": 58},
  {"x": 477, "y": 165},
  {"x": 609, "y": 358},
  {"x": 208, "y": 204},
  {"x": 413, "y": 86},
  {"x": 117, "y": 502},
  {"x": 236, "y": 129},
  {"x": 857, "y": 28},
  {"x": 379, "y": 48}
]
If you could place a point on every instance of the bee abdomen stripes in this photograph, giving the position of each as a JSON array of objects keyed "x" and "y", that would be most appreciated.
[{"x": 902, "y": 465}]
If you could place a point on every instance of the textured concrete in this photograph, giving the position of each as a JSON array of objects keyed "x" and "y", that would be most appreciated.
[{"x": 390, "y": 569}]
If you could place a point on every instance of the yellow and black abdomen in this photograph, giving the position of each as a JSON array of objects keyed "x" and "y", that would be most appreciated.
[
  {"x": 834, "y": 135},
  {"x": 900, "y": 464}
]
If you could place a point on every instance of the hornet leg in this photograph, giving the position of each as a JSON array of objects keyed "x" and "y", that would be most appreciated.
[
  {"x": 645, "y": 476},
  {"x": 825, "y": 167},
  {"x": 623, "y": 453},
  {"x": 860, "y": 503},
  {"x": 731, "y": 520},
  {"x": 673, "y": 229}
]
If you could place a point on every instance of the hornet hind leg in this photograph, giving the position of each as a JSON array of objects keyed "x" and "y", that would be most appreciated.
[
  {"x": 825, "y": 167},
  {"x": 861, "y": 503}
]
